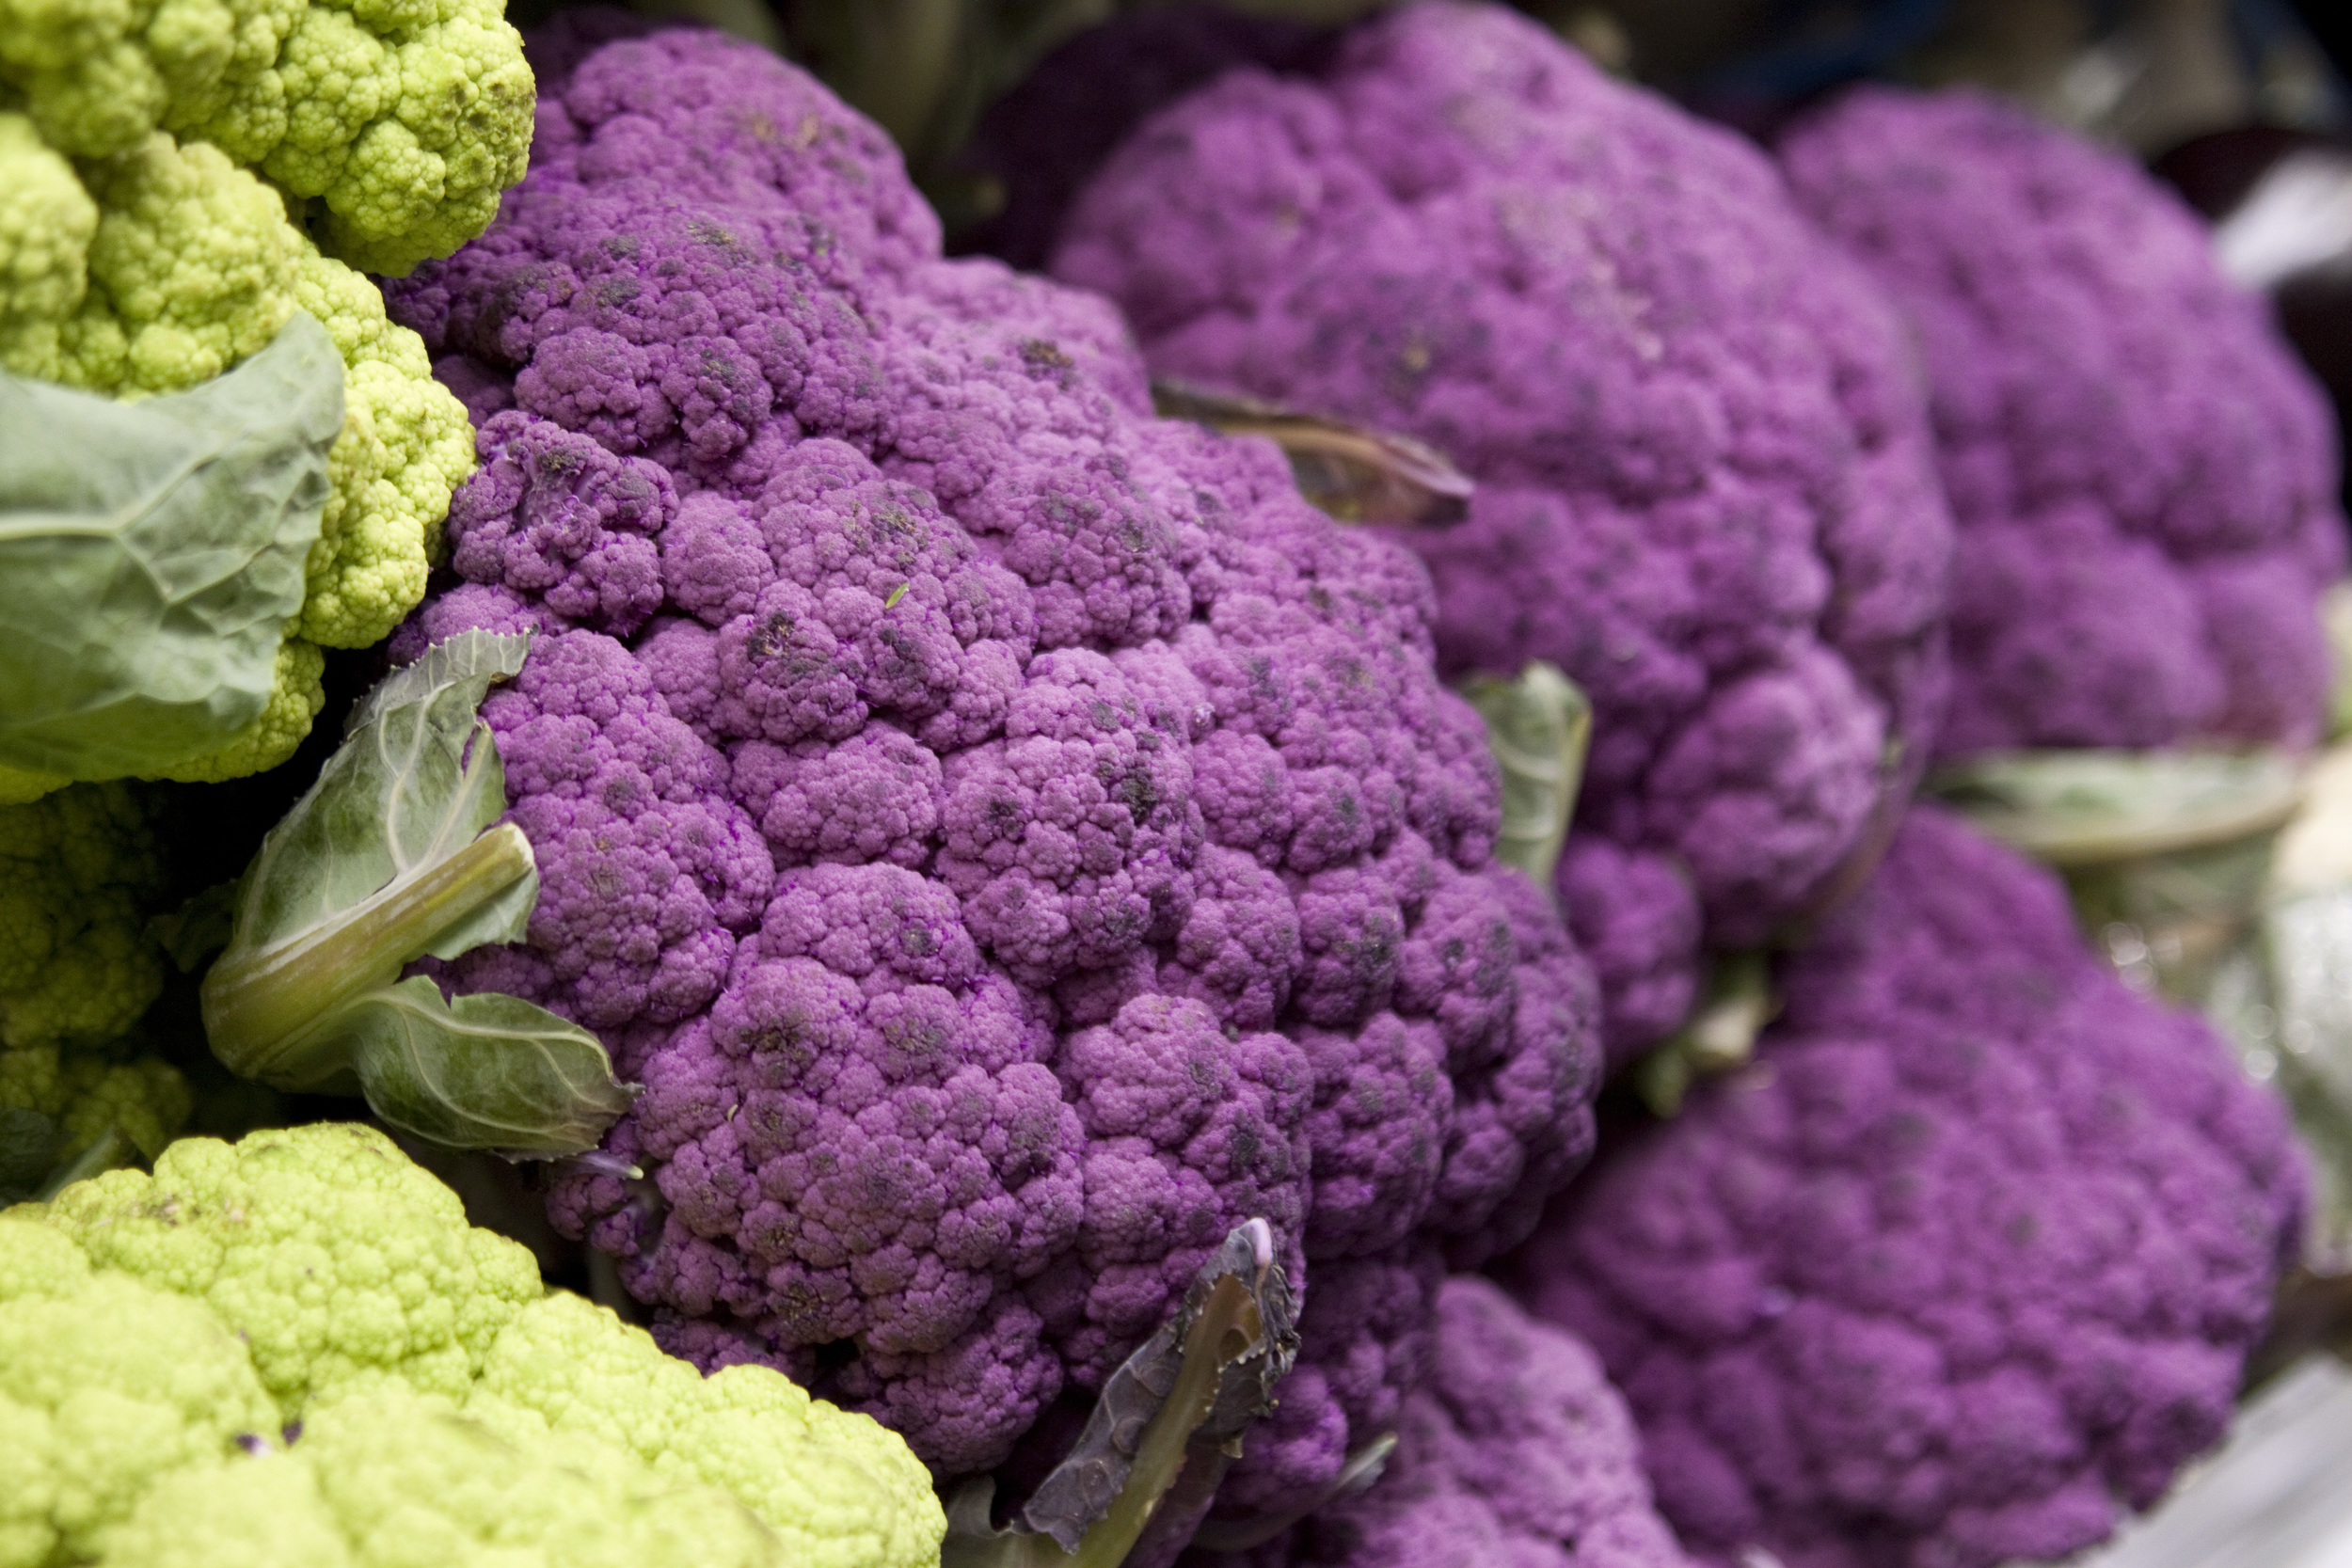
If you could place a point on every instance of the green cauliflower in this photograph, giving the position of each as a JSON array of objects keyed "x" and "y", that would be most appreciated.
[
  {"x": 390, "y": 125},
  {"x": 134, "y": 1432},
  {"x": 80, "y": 875},
  {"x": 158, "y": 268},
  {"x": 363, "y": 1298},
  {"x": 106, "y": 1385}
]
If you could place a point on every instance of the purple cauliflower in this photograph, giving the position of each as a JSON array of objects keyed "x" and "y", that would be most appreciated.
[
  {"x": 2143, "y": 479},
  {"x": 1970, "y": 1254},
  {"x": 1516, "y": 1453},
  {"x": 1706, "y": 488},
  {"x": 1013, "y": 840},
  {"x": 1040, "y": 143}
]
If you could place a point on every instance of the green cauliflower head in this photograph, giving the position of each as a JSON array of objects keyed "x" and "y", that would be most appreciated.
[
  {"x": 134, "y": 1432},
  {"x": 160, "y": 267},
  {"x": 80, "y": 875},
  {"x": 448, "y": 1411},
  {"x": 393, "y": 124}
]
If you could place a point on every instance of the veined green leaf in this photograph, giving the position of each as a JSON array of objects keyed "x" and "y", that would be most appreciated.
[
  {"x": 1538, "y": 726},
  {"x": 1144, "y": 1470},
  {"x": 151, "y": 554},
  {"x": 396, "y": 852}
]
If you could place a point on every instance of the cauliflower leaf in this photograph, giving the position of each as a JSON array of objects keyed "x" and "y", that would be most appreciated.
[
  {"x": 146, "y": 596},
  {"x": 390, "y": 856}
]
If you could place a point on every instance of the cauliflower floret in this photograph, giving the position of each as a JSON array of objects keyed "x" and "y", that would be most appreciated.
[
  {"x": 189, "y": 272},
  {"x": 47, "y": 221},
  {"x": 104, "y": 1384},
  {"x": 405, "y": 446},
  {"x": 810, "y": 1471},
  {"x": 79, "y": 873}
]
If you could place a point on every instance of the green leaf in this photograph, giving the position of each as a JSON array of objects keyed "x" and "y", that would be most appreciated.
[
  {"x": 1168, "y": 1422},
  {"x": 482, "y": 1071},
  {"x": 1718, "y": 1037},
  {"x": 2085, "y": 806},
  {"x": 199, "y": 928},
  {"x": 396, "y": 852},
  {"x": 1538, "y": 727},
  {"x": 151, "y": 554},
  {"x": 415, "y": 780}
]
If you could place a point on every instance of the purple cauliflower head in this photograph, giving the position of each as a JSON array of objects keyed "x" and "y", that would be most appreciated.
[
  {"x": 2143, "y": 478},
  {"x": 1706, "y": 490},
  {"x": 1970, "y": 1254},
  {"x": 1013, "y": 840},
  {"x": 1042, "y": 140},
  {"x": 1514, "y": 1453}
]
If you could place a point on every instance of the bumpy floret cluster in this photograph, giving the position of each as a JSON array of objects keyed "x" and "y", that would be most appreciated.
[
  {"x": 397, "y": 122},
  {"x": 2133, "y": 570},
  {"x": 1517, "y": 1451},
  {"x": 159, "y": 268},
  {"x": 159, "y": 1332},
  {"x": 1012, "y": 839},
  {"x": 79, "y": 875},
  {"x": 1972, "y": 1253},
  {"x": 1706, "y": 490}
]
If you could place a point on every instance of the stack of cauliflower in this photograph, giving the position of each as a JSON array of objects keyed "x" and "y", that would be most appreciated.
[
  {"x": 1969, "y": 1260},
  {"x": 1013, "y": 839},
  {"x": 1707, "y": 487}
]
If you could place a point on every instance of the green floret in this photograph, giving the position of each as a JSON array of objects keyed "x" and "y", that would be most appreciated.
[
  {"x": 405, "y": 447},
  {"x": 80, "y": 875},
  {"x": 399, "y": 121},
  {"x": 449, "y": 1411},
  {"x": 395, "y": 1478},
  {"x": 249, "y": 1512},
  {"x": 811, "y": 1471},
  {"x": 47, "y": 222},
  {"x": 106, "y": 1384},
  {"x": 157, "y": 269}
]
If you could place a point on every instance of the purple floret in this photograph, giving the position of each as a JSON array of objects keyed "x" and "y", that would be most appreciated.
[
  {"x": 1706, "y": 488},
  {"x": 1516, "y": 1453},
  {"x": 2144, "y": 480},
  {"x": 1966, "y": 1261},
  {"x": 1013, "y": 840}
]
